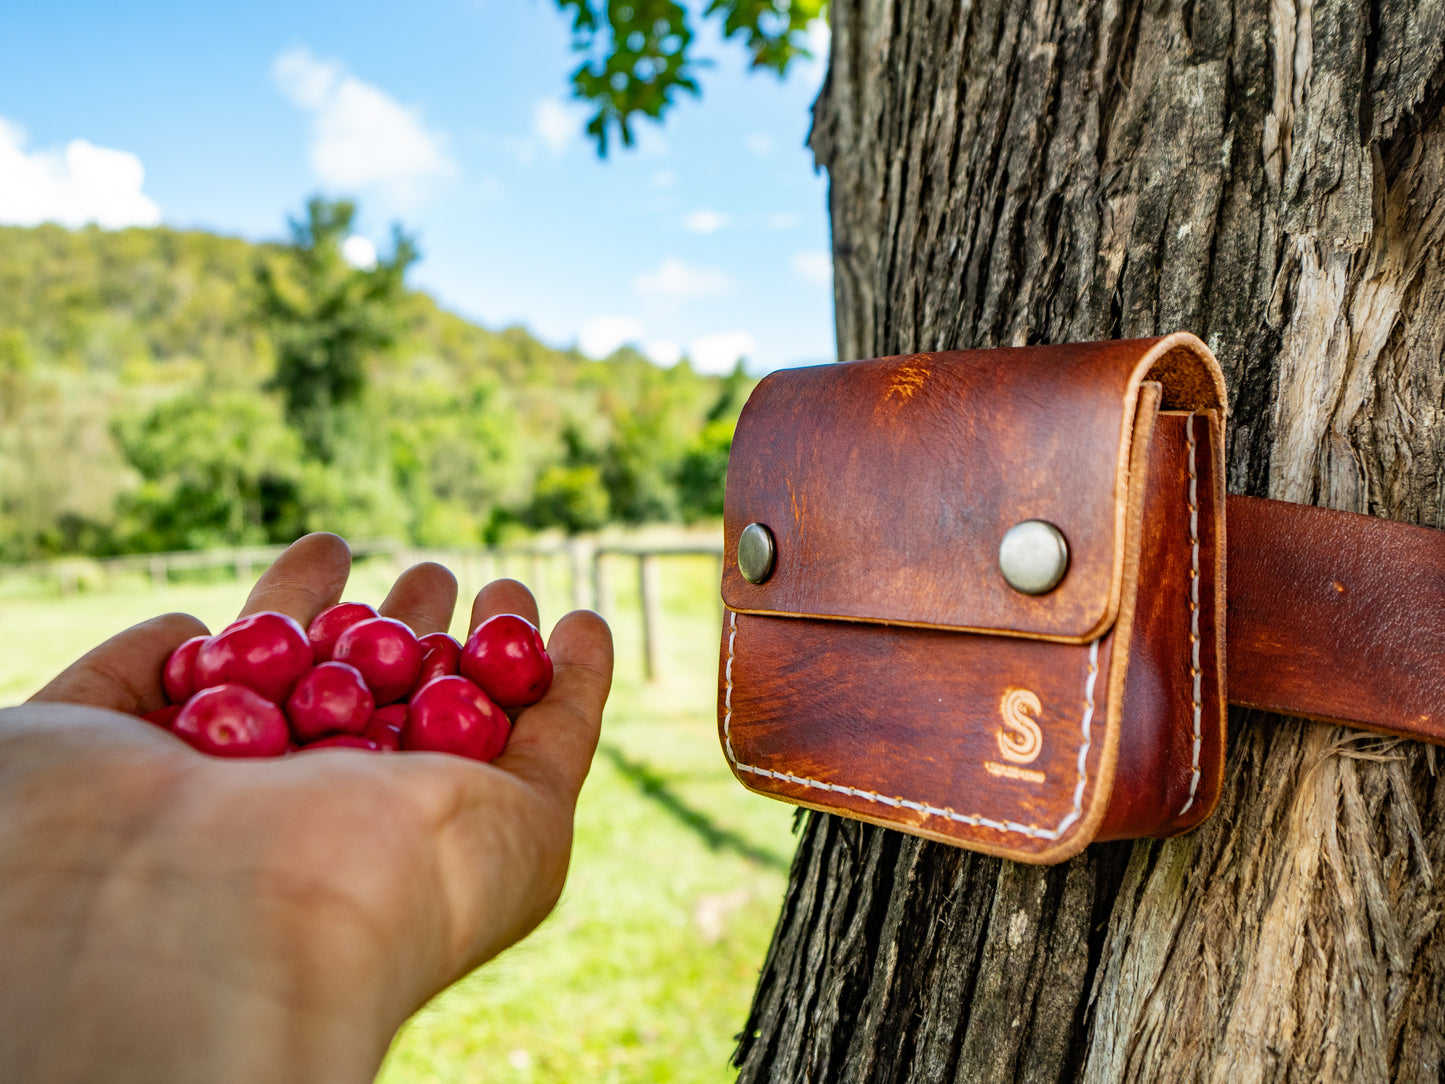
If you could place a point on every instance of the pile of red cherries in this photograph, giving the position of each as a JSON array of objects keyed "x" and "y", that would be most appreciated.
[{"x": 264, "y": 686}]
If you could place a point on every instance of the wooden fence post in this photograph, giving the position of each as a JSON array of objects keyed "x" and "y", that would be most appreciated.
[
  {"x": 650, "y": 590},
  {"x": 601, "y": 585},
  {"x": 584, "y": 575}
]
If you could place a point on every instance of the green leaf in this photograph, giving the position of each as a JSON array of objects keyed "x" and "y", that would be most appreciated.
[{"x": 638, "y": 52}]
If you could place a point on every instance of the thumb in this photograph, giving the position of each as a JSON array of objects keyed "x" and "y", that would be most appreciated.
[
  {"x": 124, "y": 673},
  {"x": 502, "y": 832},
  {"x": 552, "y": 741}
]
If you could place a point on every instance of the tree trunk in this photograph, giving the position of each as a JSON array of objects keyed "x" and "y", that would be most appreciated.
[{"x": 1270, "y": 176}]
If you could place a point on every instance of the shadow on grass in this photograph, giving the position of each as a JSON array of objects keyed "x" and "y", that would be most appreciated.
[{"x": 654, "y": 786}]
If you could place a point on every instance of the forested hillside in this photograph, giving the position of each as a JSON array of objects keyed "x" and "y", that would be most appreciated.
[{"x": 141, "y": 409}]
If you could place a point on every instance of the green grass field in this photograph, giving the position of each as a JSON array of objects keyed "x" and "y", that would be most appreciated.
[{"x": 644, "y": 971}]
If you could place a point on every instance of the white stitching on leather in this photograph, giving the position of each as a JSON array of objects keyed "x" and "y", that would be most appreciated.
[
  {"x": 975, "y": 819},
  {"x": 1195, "y": 670}
]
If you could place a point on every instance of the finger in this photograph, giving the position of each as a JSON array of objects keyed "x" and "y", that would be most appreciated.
[
  {"x": 308, "y": 577},
  {"x": 504, "y": 597},
  {"x": 552, "y": 743},
  {"x": 503, "y": 830},
  {"x": 81, "y": 739},
  {"x": 124, "y": 673},
  {"x": 424, "y": 597},
  {"x": 501, "y": 848}
]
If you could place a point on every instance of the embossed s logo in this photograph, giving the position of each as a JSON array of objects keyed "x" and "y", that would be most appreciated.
[{"x": 1022, "y": 741}]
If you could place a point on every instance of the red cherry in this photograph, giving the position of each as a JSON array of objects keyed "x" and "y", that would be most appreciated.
[
  {"x": 384, "y": 726},
  {"x": 343, "y": 741},
  {"x": 392, "y": 715},
  {"x": 440, "y": 655},
  {"x": 451, "y": 715},
  {"x": 331, "y": 699},
  {"x": 232, "y": 721},
  {"x": 179, "y": 675},
  {"x": 506, "y": 657},
  {"x": 384, "y": 738},
  {"x": 331, "y": 623},
  {"x": 163, "y": 717},
  {"x": 387, "y": 654},
  {"x": 267, "y": 652}
]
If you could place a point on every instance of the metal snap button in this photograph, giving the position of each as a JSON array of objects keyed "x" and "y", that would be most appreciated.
[
  {"x": 756, "y": 553},
  {"x": 1033, "y": 557}
]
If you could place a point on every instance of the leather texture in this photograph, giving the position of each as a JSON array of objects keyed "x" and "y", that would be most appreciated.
[
  {"x": 1336, "y": 616},
  {"x": 900, "y": 726},
  {"x": 886, "y": 671},
  {"x": 888, "y": 484},
  {"x": 1171, "y": 744}
]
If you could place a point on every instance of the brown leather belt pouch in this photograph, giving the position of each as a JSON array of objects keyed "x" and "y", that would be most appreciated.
[{"x": 884, "y": 668}]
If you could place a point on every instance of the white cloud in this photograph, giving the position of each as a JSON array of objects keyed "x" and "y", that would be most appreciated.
[
  {"x": 361, "y": 136},
  {"x": 705, "y": 221},
  {"x": 759, "y": 143},
  {"x": 359, "y": 252},
  {"x": 814, "y": 265},
  {"x": 782, "y": 220},
  {"x": 603, "y": 334},
  {"x": 557, "y": 124},
  {"x": 82, "y": 183},
  {"x": 308, "y": 82},
  {"x": 662, "y": 352},
  {"x": 676, "y": 279},
  {"x": 719, "y": 353}
]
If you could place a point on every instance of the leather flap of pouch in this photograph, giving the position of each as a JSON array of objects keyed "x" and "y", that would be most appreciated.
[{"x": 888, "y": 484}]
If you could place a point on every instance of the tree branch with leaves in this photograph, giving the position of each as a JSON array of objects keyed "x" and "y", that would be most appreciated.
[{"x": 639, "y": 53}]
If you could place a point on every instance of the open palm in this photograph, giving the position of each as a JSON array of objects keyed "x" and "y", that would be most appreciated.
[{"x": 166, "y": 915}]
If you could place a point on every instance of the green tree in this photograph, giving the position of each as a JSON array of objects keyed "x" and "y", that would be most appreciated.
[
  {"x": 125, "y": 357},
  {"x": 637, "y": 470},
  {"x": 16, "y": 364},
  {"x": 702, "y": 477},
  {"x": 327, "y": 318},
  {"x": 570, "y": 497},
  {"x": 217, "y": 471}
]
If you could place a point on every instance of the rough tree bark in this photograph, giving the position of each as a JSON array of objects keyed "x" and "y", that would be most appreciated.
[{"x": 1269, "y": 174}]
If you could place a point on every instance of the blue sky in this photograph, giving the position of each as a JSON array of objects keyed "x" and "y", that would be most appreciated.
[{"x": 453, "y": 118}]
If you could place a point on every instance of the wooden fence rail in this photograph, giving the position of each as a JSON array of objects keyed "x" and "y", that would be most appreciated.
[
  {"x": 589, "y": 575},
  {"x": 589, "y": 571},
  {"x": 68, "y": 572}
]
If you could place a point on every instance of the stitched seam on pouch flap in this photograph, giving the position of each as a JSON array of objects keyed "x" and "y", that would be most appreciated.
[
  {"x": 1196, "y": 673},
  {"x": 975, "y": 819}
]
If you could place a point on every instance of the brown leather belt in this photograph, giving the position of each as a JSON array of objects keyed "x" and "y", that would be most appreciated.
[{"x": 1335, "y": 616}]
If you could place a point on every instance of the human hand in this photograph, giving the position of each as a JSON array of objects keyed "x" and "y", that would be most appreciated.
[{"x": 170, "y": 916}]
